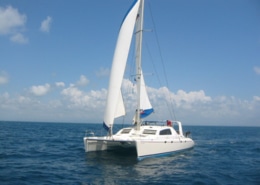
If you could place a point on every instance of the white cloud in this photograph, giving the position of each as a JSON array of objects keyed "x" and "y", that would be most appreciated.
[
  {"x": 76, "y": 105},
  {"x": 4, "y": 95},
  {"x": 27, "y": 108},
  {"x": 74, "y": 94},
  {"x": 60, "y": 84},
  {"x": 40, "y": 90},
  {"x": 12, "y": 23},
  {"x": 82, "y": 81},
  {"x": 11, "y": 20},
  {"x": 46, "y": 24},
  {"x": 183, "y": 98},
  {"x": 256, "y": 98},
  {"x": 87, "y": 100},
  {"x": 19, "y": 38},
  {"x": 3, "y": 78},
  {"x": 103, "y": 72},
  {"x": 257, "y": 70},
  {"x": 196, "y": 107}
]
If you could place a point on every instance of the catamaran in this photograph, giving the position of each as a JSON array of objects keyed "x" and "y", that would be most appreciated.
[{"x": 148, "y": 138}]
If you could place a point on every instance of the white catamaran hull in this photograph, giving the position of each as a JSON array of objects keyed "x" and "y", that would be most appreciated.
[
  {"x": 158, "y": 148},
  {"x": 150, "y": 141},
  {"x": 104, "y": 143},
  {"x": 144, "y": 148}
]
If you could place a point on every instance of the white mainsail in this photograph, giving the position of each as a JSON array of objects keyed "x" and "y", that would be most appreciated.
[{"x": 114, "y": 105}]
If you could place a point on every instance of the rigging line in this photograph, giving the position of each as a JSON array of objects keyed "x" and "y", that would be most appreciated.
[
  {"x": 170, "y": 107},
  {"x": 123, "y": 122},
  {"x": 154, "y": 67},
  {"x": 164, "y": 71}
]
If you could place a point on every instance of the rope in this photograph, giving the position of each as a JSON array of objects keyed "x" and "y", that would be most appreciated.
[{"x": 169, "y": 104}]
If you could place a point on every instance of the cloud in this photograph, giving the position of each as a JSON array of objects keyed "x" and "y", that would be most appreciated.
[
  {"x": 76, "y": 105},
  {"x": 195, "y": 107},
  {"x": 19, "y": 38},
  {"x": 3, "y": 78},
  {"x": 103, "y": 72},
  {"x": 256, "y": 98},
  {"x": 60, "y": 84},
  {"x": 257, "y": 70},
  {"x": 74, "y": 94},
  {"x": 167, "y": 103},
  {"x": 46, "y": 24},
  {"x": 82, "y": 81},
  {"x": 40, "y": 90},
  {"x": 10, "y": 20},
  {"x": 12, "y": 23},
  {"x": 84, "y": 106}
]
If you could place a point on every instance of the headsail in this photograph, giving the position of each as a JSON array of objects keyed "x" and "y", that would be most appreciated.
[
  {"x": 145, "y": 105},
  {"x": 114, "y": 105}
]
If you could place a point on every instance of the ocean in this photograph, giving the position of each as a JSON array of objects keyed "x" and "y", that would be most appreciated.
[{"x": 53, "y": 153}]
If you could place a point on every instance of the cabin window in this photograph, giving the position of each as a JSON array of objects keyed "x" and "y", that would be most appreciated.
[
  {"x": 166, "y": 132},
  {"x": 126, "y": 131},
  {"x": 148, "y": 131}
]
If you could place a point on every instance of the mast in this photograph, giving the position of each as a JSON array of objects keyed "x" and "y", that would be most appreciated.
[{"x": 138, "y": 58}]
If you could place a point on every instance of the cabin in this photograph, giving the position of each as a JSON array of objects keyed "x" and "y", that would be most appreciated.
[{"x": 154, "y": 128}]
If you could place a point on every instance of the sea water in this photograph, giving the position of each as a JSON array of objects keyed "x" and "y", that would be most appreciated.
[{"x": 53, "y": 153}]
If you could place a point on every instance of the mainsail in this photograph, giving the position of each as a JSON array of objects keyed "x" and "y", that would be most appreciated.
[{"x": 114, "y": 105}]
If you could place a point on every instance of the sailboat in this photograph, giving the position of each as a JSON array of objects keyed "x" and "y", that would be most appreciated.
[{"x": 148, "y": 138}]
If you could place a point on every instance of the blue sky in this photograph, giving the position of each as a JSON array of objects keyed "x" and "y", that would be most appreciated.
[{"x": 55, "y": 58}]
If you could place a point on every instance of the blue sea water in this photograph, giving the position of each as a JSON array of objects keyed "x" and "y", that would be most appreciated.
[{"x": 53, "y": 153}]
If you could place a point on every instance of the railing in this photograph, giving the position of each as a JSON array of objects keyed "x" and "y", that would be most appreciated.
[
  {"x": 89, "y": 133},
  {"x": 160, "y": 123}
]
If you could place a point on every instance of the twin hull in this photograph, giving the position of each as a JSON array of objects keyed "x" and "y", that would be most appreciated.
[{"x": 144, "y": 147}]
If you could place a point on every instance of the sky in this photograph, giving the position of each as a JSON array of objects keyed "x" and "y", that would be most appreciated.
[{"x": 55, "y": 59}]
